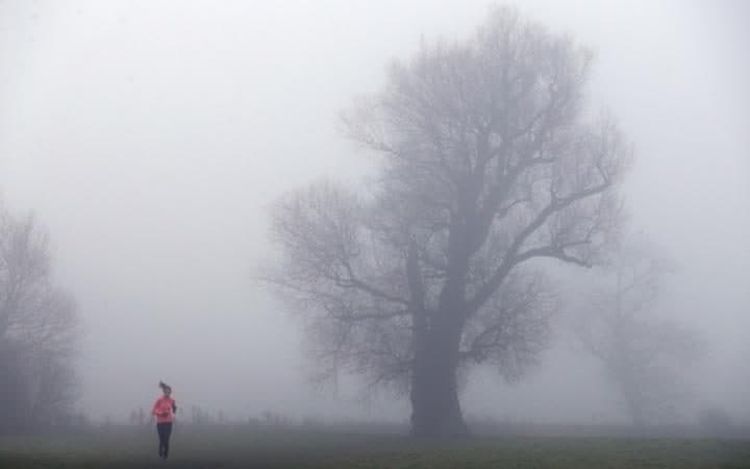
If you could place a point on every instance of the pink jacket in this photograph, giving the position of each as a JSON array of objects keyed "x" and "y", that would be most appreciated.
[{"x": 164, "y": 408}]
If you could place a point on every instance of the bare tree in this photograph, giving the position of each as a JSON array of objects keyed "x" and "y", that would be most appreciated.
[
  {"x": 643, "y": 355},
  {"x": 488, "y": 163},
  {"x": 38, "y": 329}
]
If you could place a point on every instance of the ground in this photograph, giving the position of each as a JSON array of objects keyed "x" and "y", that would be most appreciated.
[{"x": 241, "y": 446}]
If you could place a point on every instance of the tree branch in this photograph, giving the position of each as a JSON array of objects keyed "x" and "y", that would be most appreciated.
[{"x": 512, "y": 257}]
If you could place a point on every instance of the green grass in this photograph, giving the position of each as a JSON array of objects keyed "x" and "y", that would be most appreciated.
[{"x": 241, "y": 447}]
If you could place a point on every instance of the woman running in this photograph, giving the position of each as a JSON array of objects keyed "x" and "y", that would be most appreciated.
[{"x": 164, "y": 410}]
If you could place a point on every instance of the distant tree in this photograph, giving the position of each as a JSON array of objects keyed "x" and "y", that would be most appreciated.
[
  {"x": 644, "y": 355},
  {"x": 488, "y": 163},
  {"x": 38, "y": 330},
  {"x": 200, "y": 416},
  {"x": 137, "y": 417},
  {"x": 715, "y": 420}
]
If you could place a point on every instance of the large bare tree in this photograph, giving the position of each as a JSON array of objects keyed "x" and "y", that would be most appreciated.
[
  {"x": 488, "y": 162},
  {"x": 38, "y": 330}
]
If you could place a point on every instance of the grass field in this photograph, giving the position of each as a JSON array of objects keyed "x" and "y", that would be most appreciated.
[{"x": 242, "y": 446}]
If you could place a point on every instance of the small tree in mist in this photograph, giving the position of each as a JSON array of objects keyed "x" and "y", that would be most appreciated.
[
  {"x": 38, "y": 330},
  {"x": 644, "y": 356},
  {"x": 488, "y": 162}
]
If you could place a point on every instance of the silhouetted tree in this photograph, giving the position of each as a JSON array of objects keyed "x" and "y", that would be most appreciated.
[
  {"x": 643, "y": 354},
  {"x": 488, "y": 162},
  {"x": 38, "y": 330}
]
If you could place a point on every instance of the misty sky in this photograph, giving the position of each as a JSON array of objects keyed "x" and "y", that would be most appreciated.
[{"x": 151, "y": 137}]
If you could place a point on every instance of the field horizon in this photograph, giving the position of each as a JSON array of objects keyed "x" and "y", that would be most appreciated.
[{"x": 244, "y": 446}]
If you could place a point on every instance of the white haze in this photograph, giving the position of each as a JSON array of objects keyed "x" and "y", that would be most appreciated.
[{"x": 150, "y": 137}]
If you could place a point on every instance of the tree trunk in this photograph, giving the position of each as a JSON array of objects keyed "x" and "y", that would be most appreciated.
[
  {"x": 436, "y": 411},
  {"x": 635, "y": 405}
]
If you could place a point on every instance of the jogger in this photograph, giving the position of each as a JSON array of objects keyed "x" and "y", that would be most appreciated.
[{"x": 164, "y": 410}]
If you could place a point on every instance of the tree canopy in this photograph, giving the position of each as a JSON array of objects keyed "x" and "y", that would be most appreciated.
[{"x": 38, "y": 330}]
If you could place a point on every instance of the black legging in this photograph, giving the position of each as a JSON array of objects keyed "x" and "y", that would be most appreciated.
[{"x": 164, "y": 430}]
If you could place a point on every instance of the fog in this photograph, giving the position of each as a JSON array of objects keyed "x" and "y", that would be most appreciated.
[{"x": 151, "y": 139}]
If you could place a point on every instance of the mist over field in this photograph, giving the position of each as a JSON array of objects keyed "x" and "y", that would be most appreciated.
[{"x": 153, "y": 141}]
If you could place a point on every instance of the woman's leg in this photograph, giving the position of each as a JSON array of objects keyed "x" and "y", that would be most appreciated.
[
  {"x": 167, "y": 434},
  {"x": 163, "y": 439}
]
